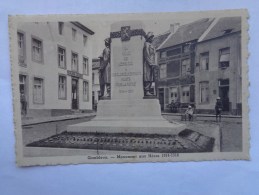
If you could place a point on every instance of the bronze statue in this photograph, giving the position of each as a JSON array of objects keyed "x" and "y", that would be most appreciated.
[
  {"x": 150, "y": 66},
  {"x": 105, "y": 70}
]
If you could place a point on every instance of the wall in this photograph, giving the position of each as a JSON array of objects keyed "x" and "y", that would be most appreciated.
[
  {"x": 212, "y": 75},
  {"x": 49, "y": 70}
]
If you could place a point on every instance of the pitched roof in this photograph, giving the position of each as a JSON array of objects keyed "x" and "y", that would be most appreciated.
[
  {"x": 159, "y": 39},
  {"x": 83, "y": 27},
  {"x": 188, "y": 32},
  {"x": 224, "y": 26}
]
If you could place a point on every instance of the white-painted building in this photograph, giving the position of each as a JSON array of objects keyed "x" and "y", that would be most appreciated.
[{"x": 55, "y": 60}]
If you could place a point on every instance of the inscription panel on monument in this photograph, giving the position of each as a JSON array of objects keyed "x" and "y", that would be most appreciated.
[{"x": 127, "y": 70}]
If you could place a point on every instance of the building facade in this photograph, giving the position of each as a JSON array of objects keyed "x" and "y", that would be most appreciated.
[
  {"x": 176, "y": 59},
  {"x": 55, "y": 62},
  {"x": 218, "y": 67},
  {"x": 200, "y": 62}
]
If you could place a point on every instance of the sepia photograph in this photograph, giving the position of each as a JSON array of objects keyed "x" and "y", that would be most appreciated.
[{"x": 119, "y": 88}]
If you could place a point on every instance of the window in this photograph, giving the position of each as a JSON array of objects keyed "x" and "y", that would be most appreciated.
[
  {"x": 163, "y": 54},
  {"x": 74, "y": 34},
  {"x": 186, "y": 48},
  {"x": 37, "y": 50},
  {"x": 185, "y": 94},
  {"x": 204, "y": 92},
  {"x": 227, "y": 31},
  {"x": 173, "y": 68},
  {"x": 38, "y": 91},
  {"x": 85, "y": 91},
  {"x": 174, "y": 52},
  {"x": 163, "y": 71},
  {"x": 60, "y": 28},
  {"x": 85, "y": 66},
  {"x": 84, "y": 39},
  {"x": 204, "y": 61},
  {"x": 74, "y": 62},
  {"x": 174, "y": 93},
  {"x": 186, "y": 68},
  {"x": 61, "y": 57},
  {"x": 21, "y": 48},
  {"x": 62, "y": 87},
  {"x": 22, "y": 79},
  {"x": 223, "y": 82},
  {"x": 224, "y": 57}
]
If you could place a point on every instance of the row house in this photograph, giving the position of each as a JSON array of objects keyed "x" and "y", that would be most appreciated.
[
  {"x": 55, "y": 65},
  {"x": 199, "y": 62},
  {"x": 218, "y": 67},
  {"x": 176, "y": 59}
]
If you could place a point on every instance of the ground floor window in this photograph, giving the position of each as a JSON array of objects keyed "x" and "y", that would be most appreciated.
[
  {"x": 174, "y": 94},
  {"x": 163, "y": 71},
  {"x": 62, "y": 87},
  {"x": 85, "y": 91},
  {"x": 38, "y": 91},
  {"x": 185, "y": 94},
  {"x": 204, "y": 92}
]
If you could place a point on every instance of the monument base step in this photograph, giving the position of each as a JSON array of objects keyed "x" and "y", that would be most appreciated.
[{"x": 153, "y": 125}]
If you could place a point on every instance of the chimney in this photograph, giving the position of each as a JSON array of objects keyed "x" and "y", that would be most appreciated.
[{"x": 174, "y": 27}]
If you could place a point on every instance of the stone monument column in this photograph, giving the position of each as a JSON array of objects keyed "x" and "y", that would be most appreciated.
[{"x": 127, "y": 60}]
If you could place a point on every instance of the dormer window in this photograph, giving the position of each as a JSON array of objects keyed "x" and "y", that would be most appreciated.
[{"x": 227, "y": 31}]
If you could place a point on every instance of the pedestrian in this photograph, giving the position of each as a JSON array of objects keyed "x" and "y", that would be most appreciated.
[
  {"x": 173, "y": 106},
  {"x": 189, "y": 113},
  {"x": 218, "y": 109}
]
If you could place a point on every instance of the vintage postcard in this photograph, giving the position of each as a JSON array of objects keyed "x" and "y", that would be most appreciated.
[{"x": 114, "y": 88}]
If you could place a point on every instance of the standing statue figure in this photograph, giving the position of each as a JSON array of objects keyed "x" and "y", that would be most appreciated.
[
  {"x": 151, "y": 70},
  {"x": 105, "y": 70}
]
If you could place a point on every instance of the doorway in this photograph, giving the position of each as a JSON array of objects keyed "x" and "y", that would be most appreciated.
[
  {"x": 75, "y": 98},
  {"x": 161, "y": 98},
  {"x": 23, "y": 93},
  {"x": 224, "y": 93}
]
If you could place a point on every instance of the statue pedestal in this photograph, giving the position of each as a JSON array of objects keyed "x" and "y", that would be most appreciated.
[{"x": 135, "y": 116}]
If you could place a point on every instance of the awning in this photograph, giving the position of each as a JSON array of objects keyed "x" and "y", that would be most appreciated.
[{"x": 224, "y": 58}]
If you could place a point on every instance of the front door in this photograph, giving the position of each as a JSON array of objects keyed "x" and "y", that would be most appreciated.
[
  {"x": 224, "y": 96},
  {"x": 224, "y": 93},
  {"x": 74, "y": 93},
  {"x": 161, "y": 98}
]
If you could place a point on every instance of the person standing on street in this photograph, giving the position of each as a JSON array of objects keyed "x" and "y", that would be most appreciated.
[{"x": 218, "y": 109}]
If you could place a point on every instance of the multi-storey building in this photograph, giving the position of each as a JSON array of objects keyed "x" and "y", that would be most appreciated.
[
  {"x": 200, "y": 62},
  {"x": 218, "y": 67},
  {"x": 176, "y": 58},
  {"x": 55, "y": 62}
]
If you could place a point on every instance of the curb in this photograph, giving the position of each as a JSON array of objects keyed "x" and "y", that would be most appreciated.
[
  {"x": 204, "y": 115},
  {"x": 54, "y": 120}
]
